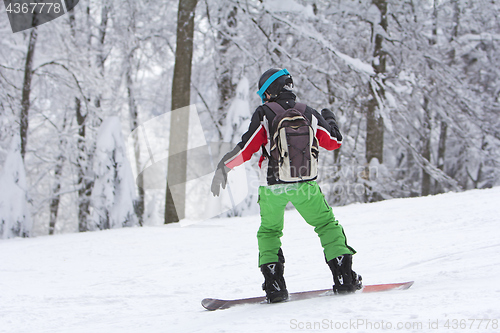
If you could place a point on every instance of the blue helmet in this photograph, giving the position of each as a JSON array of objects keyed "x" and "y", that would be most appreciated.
[{"x": 272, "y": 81}]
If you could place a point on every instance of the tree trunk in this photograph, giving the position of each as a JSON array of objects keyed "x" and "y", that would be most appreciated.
[
  {"x": 374, "y": 132},
  {"x": 443, "y": 134},
  {"x": 25, "y": 100},
  {"x": 134, "y": 123},
  {"x": 226, "y": 87},
  {"x": 101, "y": 58},
  {"x": 331, "y": 100},
  {"x": 426, "y": 151},
  {"x": 374, "y": 120},
  {"x": 426, "y": 188},
  {"x": 84, "y": 181},
  {"x": 179, "y": 123},
  {"x": 105, "y": 10},
  {"x": 54, "y": 202},
  {"x": 442, "y": 145},
  {"x": 84, "y": 160}
]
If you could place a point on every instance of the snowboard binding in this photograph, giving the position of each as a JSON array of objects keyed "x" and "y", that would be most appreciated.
[
  {"x": 344, "y": 278},
  {"x": 274, "y": 284}
]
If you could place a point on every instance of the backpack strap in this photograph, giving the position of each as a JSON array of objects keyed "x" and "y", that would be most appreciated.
[
  {"x": 275, "y": 107},
  {"x": 278, "y": 109},
  {"x": 301, "y": 107}
]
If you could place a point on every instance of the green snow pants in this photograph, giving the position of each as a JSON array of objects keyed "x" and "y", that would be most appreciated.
[{"x": 310, "y": 202}]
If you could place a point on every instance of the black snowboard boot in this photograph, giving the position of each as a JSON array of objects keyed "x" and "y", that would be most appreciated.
[
  {"x": 344, "y": 278},
  {"x": 274, "y": 284}
]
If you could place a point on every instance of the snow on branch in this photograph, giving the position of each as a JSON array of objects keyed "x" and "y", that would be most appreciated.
[{"x": 354, "y": 63}]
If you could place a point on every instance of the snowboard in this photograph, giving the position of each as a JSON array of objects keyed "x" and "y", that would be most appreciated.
[{"x": 219, "y": 304}]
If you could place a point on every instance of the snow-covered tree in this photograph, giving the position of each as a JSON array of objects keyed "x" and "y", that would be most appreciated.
[
  {"x": 15, "y": 217},
  {"x": 113, "y": 196}
]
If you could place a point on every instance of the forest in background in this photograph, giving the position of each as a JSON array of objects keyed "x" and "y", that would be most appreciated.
[{"x": 414, "y": 84}]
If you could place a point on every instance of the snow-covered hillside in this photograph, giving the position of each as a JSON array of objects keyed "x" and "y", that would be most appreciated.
[{"x": 152, "y": 279}]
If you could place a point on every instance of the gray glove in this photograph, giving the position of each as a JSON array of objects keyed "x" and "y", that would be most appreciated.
[{"x": 220, "y": 178}]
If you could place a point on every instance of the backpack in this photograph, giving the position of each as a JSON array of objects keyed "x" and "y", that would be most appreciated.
[{"x": 293, "y": 144}]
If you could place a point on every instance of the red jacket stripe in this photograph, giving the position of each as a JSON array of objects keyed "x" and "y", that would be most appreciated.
[
  {"x": 258, "y": 139},
  {"x": 327, "y": 141}
]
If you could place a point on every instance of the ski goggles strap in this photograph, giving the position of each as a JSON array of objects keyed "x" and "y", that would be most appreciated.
[{"x": 268, "y": 82}]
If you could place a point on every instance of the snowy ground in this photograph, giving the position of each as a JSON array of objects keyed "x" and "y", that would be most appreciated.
[{"x": 152, "y": 279}]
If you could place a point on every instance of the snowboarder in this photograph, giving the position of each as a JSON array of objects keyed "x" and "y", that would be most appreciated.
[{"x": 288, "y": 134}]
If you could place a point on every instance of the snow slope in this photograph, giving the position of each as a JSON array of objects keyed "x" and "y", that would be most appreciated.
[{"x": 152, "y": 279}]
